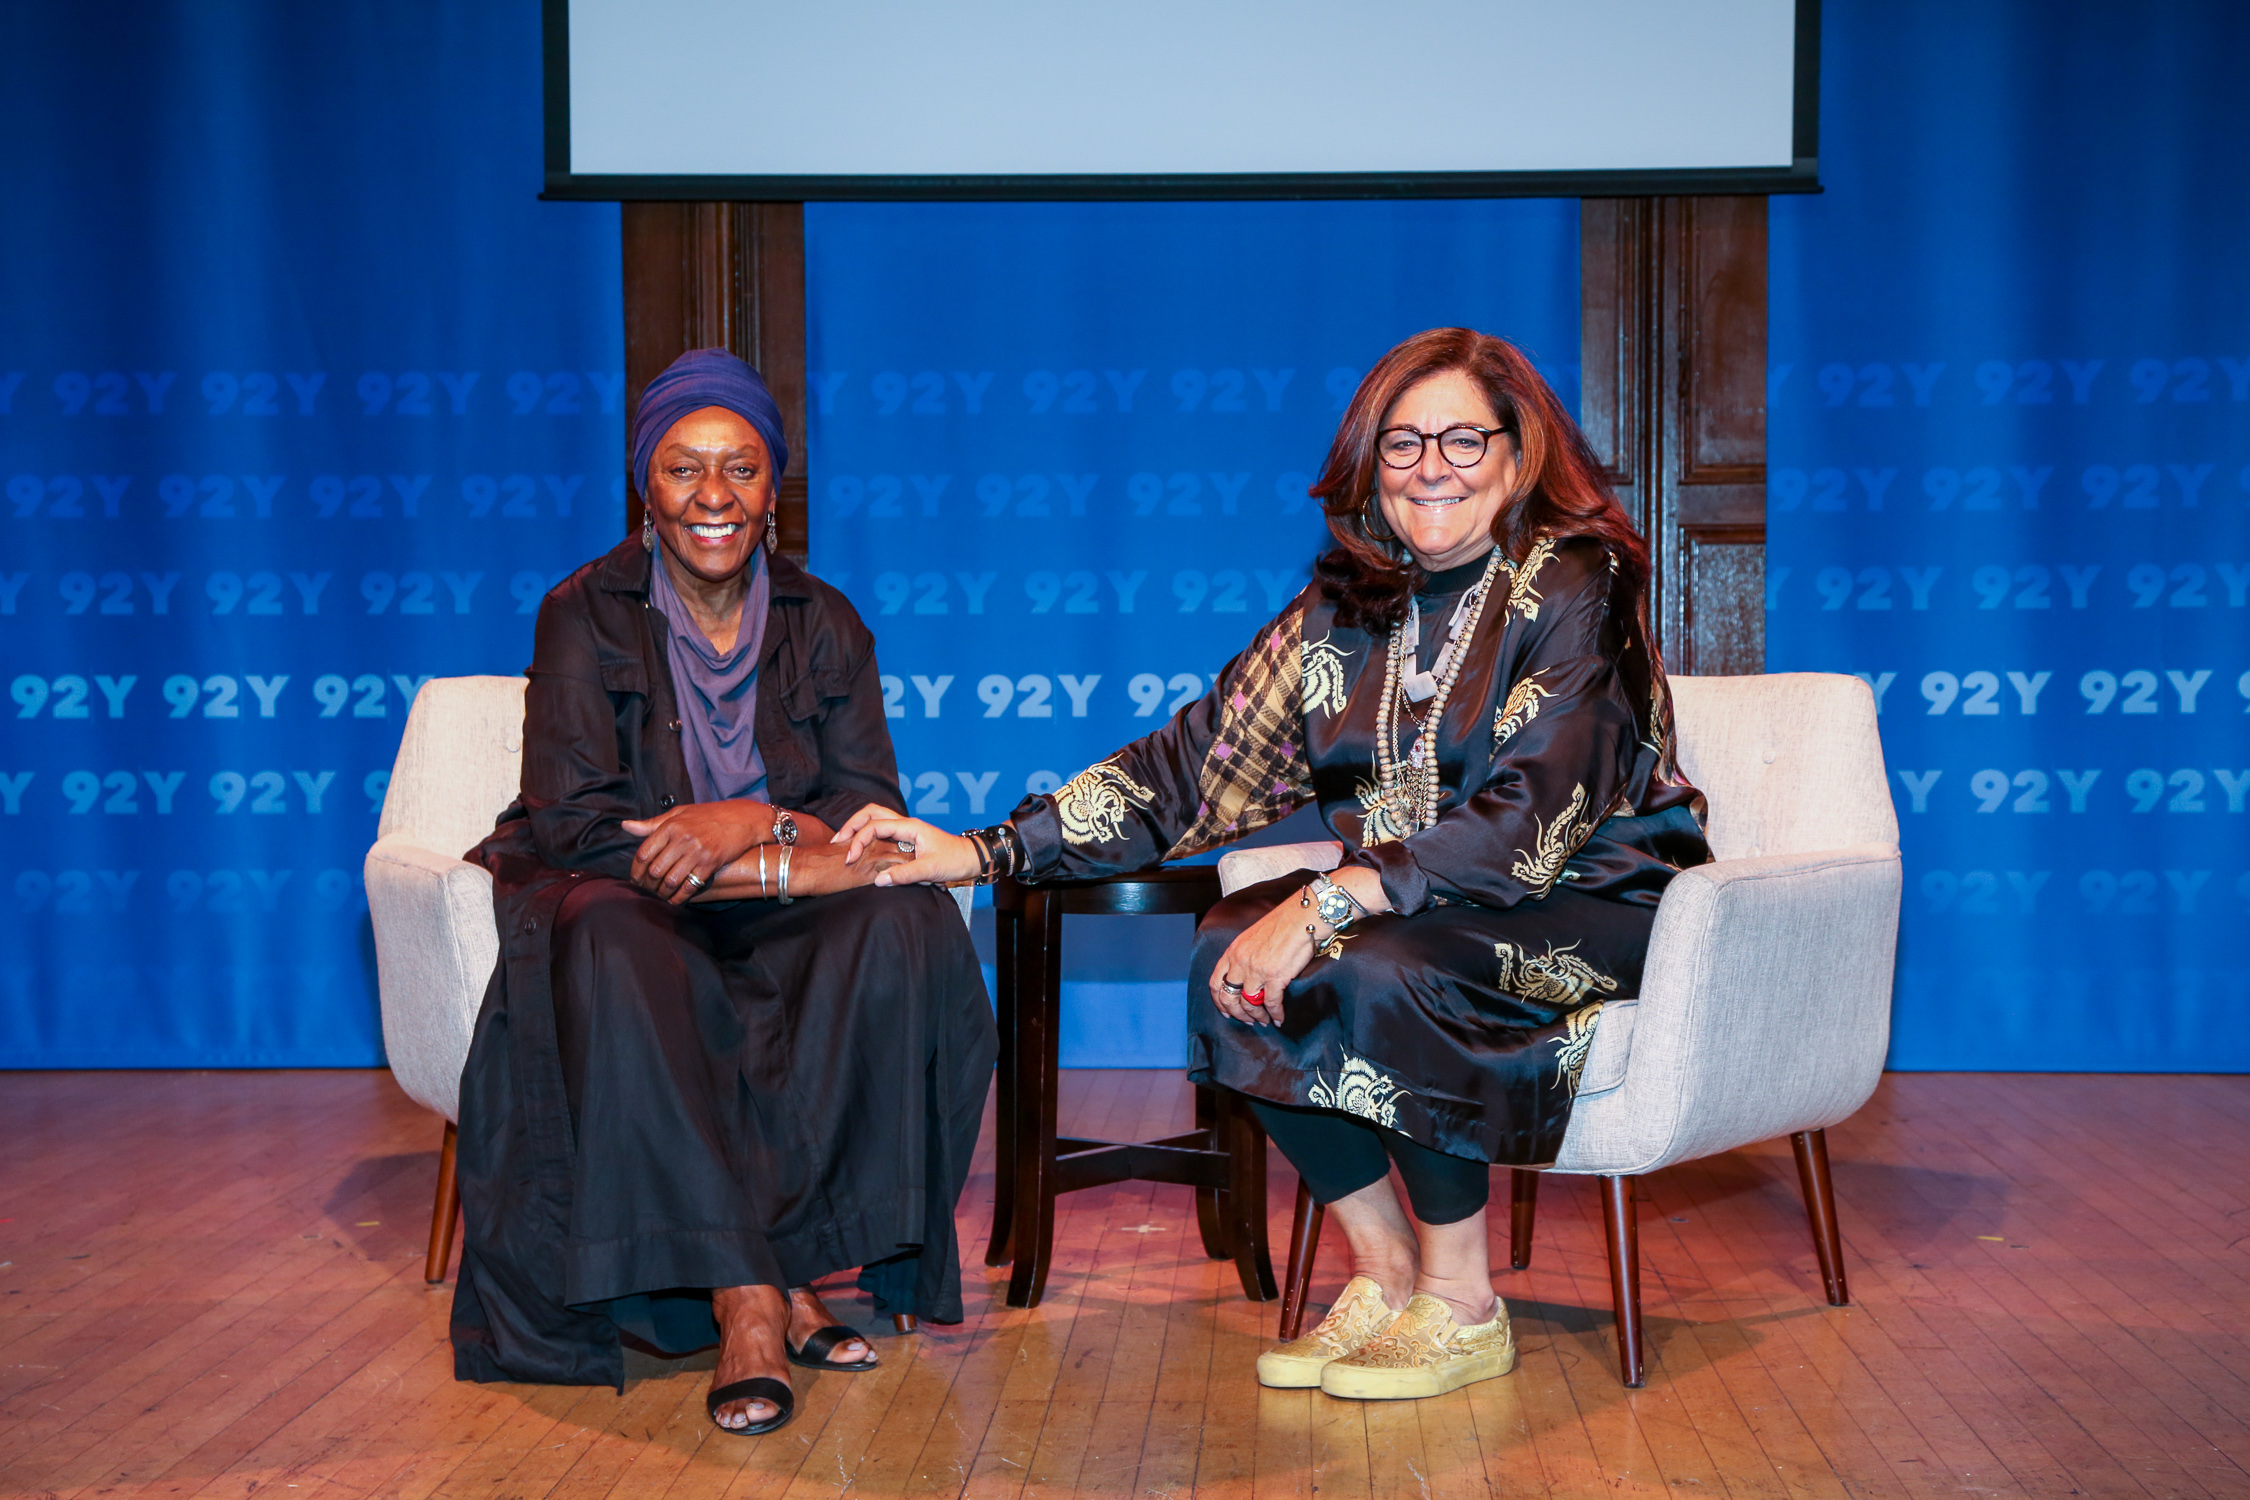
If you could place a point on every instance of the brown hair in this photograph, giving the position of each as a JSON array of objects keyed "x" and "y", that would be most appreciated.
[{"x": 1559, "y": 490}]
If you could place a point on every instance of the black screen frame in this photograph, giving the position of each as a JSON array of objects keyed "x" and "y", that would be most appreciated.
[{"x": 1802, "y": 175}]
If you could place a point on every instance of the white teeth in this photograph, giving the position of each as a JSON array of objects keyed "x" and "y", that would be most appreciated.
[
  {"x": 1436, "y": 500},
  {"x": 715, "y": 533}
]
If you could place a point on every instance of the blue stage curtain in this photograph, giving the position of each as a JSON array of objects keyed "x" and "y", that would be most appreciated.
[
  {"x": 2010, "y": 442},
  {"x": 304, "y": 398}
]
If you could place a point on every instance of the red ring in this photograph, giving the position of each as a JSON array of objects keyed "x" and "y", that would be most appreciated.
[{"x": 1254, "y": 997}]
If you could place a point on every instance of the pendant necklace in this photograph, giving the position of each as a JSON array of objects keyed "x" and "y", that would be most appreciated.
[{"x": 1407, "y": 795}]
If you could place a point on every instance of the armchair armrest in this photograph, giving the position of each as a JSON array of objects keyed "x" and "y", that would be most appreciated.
[
  {"x": 1241, "y": 867},
  {"x": 435, "y": 946},
  {"x": 1764, "y": 1010}
]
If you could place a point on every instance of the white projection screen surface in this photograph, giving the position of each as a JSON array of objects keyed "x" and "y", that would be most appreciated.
[{"x": 869, "y": 99}]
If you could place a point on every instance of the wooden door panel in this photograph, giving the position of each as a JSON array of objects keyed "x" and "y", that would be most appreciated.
[{"x": 1673, "y": 333}]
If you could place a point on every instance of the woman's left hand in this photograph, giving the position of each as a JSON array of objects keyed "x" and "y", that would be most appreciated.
[
  {"x": 696, "y": 840},
  {"x": 1267, "y": 955}
]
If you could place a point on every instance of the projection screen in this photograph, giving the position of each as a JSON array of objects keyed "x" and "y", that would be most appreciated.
[{"x": 874, "y": 99}]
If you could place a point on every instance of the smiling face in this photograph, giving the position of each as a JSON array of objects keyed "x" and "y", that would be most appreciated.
[
  {"x": 709, "y": 488},
  {"x": 1445, "y": 514}
]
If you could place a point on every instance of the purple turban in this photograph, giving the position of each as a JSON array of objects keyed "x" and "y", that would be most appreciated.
[{"x": 700, "y": 378}]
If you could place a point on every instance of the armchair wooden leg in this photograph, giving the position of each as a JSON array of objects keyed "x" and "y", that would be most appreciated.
[
  {"x": 1304, "y": 1246},
  {"x": 1624, "y": 1274},
  {"x": 1523, "y": 1205},
  {"x": 445, "y": 1213},
  {"x": 1245, "y": 1207},
  {"x": 1820, "y": 1207}
]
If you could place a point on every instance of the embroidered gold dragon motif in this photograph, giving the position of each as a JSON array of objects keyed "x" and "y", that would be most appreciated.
[
  {"x": 1540, "y": 866},
  {"x": 1572, "y": 1047},
  {"x": 1523, "y": 599},
  {"x": 1093, "y": 804},
  {"x": 1520, "y": 709},
  {"x": 1323, "y": 673},
  {"x": 1558, "y": 977},
  {"x": 1360, "y": 1089}
]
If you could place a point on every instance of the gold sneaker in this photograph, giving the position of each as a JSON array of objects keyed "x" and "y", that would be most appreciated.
[
  {"x": 1422, "y": 1353},
  {"x": 1359, "y": 1314}
]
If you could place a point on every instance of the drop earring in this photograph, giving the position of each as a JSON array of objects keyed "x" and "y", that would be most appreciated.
[
  {"x": 648, "y": 532},
  {"x": 773, "y": 534}
]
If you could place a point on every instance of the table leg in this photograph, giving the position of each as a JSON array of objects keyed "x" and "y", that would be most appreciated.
[
  {"x": 1007, "y": 938},
  {"x": 1039, "y": 1005}
]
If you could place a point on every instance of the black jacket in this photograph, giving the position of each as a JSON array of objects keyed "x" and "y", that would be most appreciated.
[
  {"x": 602, "y": 744},
  {"x": 602, "y": 730}
]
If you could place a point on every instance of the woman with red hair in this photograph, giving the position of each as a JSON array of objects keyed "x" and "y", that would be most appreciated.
[{"x": 1469, "y": 692}]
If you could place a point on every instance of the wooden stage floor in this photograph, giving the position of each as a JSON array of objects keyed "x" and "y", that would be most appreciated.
[{"x": 212, "y": 1287}]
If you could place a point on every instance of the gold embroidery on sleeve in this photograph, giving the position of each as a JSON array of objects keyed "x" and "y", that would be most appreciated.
[
  {"x": 1523, "y": 599},
  {"x": 1539, "y": 867},
  {"x": 1520, "y": 709},
  {"x": 1323, "y": 669},
  {"x": 1092, "y": 805}
]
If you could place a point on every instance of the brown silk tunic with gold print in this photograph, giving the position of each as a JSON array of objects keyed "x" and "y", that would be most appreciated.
[{"x": 1463, "y": 1017}]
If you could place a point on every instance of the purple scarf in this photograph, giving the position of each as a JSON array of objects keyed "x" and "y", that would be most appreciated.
[{"x": 718, "y": 695}]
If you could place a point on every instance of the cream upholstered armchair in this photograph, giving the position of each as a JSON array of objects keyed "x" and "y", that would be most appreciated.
[
  {"x": 436, "y": 941},
  {"x": 1765, "y": 1001}
]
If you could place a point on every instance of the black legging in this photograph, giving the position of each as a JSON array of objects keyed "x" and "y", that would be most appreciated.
[{"x": 1338, "y": 1154}]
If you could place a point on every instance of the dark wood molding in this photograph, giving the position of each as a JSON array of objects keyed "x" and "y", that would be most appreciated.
[
  {"x": 1673, "y": 333},
  {"x": 727, "y": 276}
]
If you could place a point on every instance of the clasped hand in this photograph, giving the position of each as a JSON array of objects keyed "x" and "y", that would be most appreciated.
[
  {"x": 701, "y": 839},
  {"x": 1267, "y": 955}
]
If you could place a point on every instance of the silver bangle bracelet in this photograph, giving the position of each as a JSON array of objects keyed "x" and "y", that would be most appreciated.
[
  {"x": 761, "y": 872},
  {"x": 786, "y": 851}
]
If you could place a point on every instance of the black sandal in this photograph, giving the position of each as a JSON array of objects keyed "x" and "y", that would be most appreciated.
[
  {"x": 756, "y": 1388},
  {"x": 813, "y": 1353}
]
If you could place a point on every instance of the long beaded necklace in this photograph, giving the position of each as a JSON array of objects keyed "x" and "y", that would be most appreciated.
[{"x": 1409, "y": 794}]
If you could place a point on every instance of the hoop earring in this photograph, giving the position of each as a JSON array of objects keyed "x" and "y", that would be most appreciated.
[
  {"x": 1378, "y": 528},
  {"x": 648, "y": 532}
]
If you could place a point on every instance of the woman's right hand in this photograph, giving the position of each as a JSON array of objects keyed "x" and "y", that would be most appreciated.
[{"x": 940, "y": 858}]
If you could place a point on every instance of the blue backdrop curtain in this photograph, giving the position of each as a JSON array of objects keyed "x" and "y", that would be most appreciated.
[
  {"x": 2009, "y": 433},
  {"x": 304, "y": 398}
]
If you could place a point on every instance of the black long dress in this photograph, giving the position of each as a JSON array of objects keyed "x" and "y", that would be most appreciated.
[
  {"x": 660, "y": 1100},
  {"x": 1463, "y": 1018}
]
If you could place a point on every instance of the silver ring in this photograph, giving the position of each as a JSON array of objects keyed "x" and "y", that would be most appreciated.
[
  {"x": 905, "y": 846},
  {"x": 1230, "y": 986},
  {"x": 696, "y": 881}
]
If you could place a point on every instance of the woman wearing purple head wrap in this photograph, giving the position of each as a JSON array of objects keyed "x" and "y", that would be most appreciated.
[{"x": 691, "y": 1093}]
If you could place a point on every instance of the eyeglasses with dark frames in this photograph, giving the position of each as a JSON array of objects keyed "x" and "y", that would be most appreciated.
[{"x": 1462, "y": 445}]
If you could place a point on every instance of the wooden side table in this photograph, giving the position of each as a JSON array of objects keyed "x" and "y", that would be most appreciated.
[{"x": 1223, "y": 1158}]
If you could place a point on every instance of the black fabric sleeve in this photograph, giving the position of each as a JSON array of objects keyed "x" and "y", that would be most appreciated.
[{"x": 577, "y": 789}]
